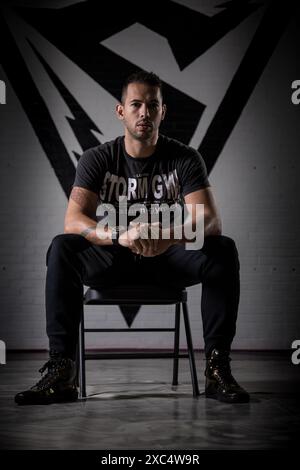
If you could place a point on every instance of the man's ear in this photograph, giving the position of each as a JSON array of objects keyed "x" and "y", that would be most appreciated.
[
  {"x": 120, "y": 111},
  {"x": 164, "y": 110}
]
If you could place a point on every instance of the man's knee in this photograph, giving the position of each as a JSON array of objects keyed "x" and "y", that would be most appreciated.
[
  {"x": 64, "y": 242},
  {"x": 221, "y": 242},
  {"x": 227, "y": 245},
  {"x": 224, "y": 249}
]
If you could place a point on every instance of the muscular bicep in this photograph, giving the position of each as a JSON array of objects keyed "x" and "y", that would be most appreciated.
[
  {"x": 203, "y": 196},
  {"x": 81, "y": 201}
]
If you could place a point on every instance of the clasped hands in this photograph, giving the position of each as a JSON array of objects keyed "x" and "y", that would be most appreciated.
[{"x": 145, "y": 239}]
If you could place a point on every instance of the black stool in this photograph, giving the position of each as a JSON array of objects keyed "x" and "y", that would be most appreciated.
[{"x": 139, "y": 295}]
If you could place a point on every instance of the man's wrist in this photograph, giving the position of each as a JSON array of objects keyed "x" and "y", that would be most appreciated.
[{"x": 115, "y": 234}]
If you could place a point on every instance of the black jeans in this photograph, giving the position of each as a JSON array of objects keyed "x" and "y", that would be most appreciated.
[{"x": 73, "y": 262}]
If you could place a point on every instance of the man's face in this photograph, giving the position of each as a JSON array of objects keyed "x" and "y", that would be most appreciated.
[{"x": 141, "y": 111}]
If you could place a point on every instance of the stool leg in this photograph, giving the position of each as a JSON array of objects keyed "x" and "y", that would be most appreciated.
[
  {"x": 190, "y": 350},
  {"x": 176, "y": 344},
  {"x": 77, "y": 364},
  {"x": 81, "y": 344}
]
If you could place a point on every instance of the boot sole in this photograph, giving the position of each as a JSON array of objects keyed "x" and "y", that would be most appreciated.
[
  {"x": 64, "y": 397},
  {"x": 221, "y": 398}
]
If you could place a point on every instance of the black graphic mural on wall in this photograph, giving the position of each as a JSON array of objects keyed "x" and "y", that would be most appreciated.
[{"x": 77, "y": 32}]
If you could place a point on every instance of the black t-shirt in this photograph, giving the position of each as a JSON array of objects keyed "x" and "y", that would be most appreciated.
[{"x": 164, "y": 178}]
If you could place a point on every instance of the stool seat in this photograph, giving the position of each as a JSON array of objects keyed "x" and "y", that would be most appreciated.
[{"x": 134, "y": 295}]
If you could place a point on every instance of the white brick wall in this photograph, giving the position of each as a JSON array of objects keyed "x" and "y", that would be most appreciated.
[{"x": 256, "y": 184}]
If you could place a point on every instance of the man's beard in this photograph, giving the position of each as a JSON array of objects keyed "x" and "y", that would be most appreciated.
[{"x": 143, "y": 136}]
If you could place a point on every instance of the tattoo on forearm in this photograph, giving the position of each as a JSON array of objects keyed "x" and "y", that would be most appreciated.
[
  {"x": 78, "y": 196},
  {"x": 86, "y": 231},
  {"x": 81, "y": 197}
]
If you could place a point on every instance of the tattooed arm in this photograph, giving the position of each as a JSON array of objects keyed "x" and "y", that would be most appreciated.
[{"x": 80, "y": 216}]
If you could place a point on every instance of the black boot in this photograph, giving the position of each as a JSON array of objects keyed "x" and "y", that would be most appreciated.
[
  {"x": 220, "y": 383},
  {"x": 57, "y": 385}
]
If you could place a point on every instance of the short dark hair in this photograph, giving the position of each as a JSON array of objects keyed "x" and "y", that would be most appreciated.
[{"x": 142, "y": 76}]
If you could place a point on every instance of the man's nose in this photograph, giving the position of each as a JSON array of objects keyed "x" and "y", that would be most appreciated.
[{"x": 144, "y": 111}]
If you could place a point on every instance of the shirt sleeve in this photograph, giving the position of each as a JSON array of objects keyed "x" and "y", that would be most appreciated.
[
  {"x": 89, "y": 172},
  {"x": 193, "y": 173}
]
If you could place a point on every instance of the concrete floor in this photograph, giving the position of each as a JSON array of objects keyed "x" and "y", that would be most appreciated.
[{"x": 131, "y": 405}]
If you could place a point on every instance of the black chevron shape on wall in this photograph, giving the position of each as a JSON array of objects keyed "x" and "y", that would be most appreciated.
[
  {"x": 261, "y": 48},
  {"x": 36, "y": 109},
  {"x": 82, "y": 124},
  {"x": 191, "y": 33}
]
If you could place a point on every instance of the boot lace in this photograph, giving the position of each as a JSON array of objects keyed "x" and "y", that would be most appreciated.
[
  {"x": 54, "y": 367},
  {"x": 221, "y": 370}
]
